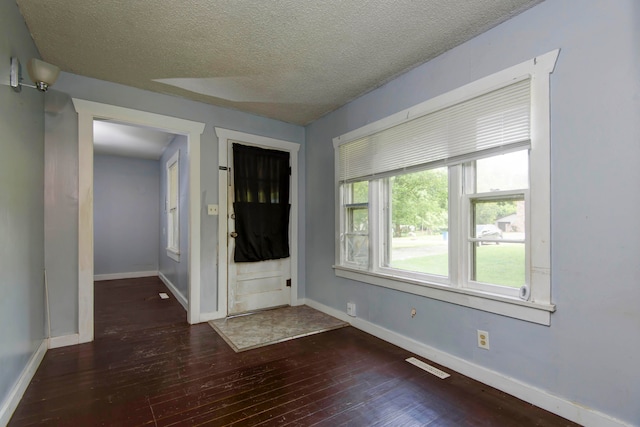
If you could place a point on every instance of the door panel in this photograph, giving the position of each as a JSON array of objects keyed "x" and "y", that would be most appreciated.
[{"x": 253, "y": 285}]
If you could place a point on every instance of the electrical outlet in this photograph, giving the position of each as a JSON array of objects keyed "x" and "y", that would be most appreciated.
[
  {"x": 413, "y": 312},
  {"x": 351, "y": 309},
  {"x": 483, "y": 339}
]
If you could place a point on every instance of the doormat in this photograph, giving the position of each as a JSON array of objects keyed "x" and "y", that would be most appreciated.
[{"x": 273, "y": 326}]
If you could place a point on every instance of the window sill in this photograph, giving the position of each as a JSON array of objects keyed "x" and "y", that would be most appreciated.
[
  {"x": 492, "y": 303},
  {"x": 173, "y": 254}
]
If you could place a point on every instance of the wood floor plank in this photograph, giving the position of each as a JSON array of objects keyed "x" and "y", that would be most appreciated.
[{"x": 148, "y": 367}]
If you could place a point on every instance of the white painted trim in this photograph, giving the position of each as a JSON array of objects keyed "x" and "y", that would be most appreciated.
[
  {"x": 10, "y": 403},
  {"x": 174, "y": 255},
  {"x": 87, "y": 111},
  {"x": 214, "y": 315},
  {"x": 536, "y": 396},
  {"x": 85, "y": 226},
  {"x": 224, "y": 135},
  {"x": 177, "y": 295},
  {"x": 467, "y": 297},
  {"x": 128, "y": 275},
  {"x": 64, "y": 341}
]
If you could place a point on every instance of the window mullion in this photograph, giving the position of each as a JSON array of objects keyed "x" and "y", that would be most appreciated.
[
  {"x": 375, "y": 225},
  {"x": 456, "y": 232},
  {"x": 341, "y": 237}
]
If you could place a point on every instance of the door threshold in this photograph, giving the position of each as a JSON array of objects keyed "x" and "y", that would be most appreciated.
[{"x": 261, "y": 310}]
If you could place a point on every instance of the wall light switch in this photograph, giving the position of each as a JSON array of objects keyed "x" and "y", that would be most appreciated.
[{"x": 212, "y": 209}]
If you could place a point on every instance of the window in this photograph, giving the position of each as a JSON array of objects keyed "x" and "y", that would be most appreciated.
[
  {"x": 450, "y": 199},
  {"x": 495, "y": 197},
  {"x": 356, "y": 227},
  {"x": 173, "y": 207}
]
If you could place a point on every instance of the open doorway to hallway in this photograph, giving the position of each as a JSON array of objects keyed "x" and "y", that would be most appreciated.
[{"x": 140, "y": 216}]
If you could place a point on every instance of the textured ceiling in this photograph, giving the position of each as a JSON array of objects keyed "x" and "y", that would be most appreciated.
[{"x": 292, "y": 60}]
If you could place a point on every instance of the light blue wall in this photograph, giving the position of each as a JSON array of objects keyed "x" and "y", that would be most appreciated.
[
  {"x": 175, "y": 271},
  {"x": 22, "y": 307},
  {"x": 126, "y": 214},
  {"x": 64, "y": 312},
  {"x": 589, "y": 353},
  {"x": 60, "y": 212}
]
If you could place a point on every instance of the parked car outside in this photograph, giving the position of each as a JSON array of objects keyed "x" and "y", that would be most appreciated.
[{"x": 488, "y": 231}]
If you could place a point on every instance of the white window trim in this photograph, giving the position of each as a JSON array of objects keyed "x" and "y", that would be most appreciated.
[
  {"x": 173, "y": 252},
  {"x": 538, "y": 307}
]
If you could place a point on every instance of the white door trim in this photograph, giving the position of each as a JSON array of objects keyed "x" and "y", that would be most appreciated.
[
  {"x": 87, "y": 111},
  {"x": 224, "y": 135}
]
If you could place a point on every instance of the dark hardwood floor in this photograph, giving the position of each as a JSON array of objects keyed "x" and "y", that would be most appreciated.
[{"x": 147, "y": 366}]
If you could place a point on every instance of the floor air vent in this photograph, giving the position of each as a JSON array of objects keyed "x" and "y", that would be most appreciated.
[{"x": 425, "y": 366}]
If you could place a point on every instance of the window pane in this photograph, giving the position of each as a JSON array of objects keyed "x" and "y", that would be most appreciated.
[
  {"x": 358, "y": 220},
  {"x": 504, "y": 172},
  {"x": 357, "y": 249},
  {"x": 500, "y": 264},
  {"x": 417, "y": 222},
  {"x": 496, "y": 259},
  {"x": 360, "y": 192},
  {"x": 356, "y": 223},
  {"x": 499, "y": 219}
]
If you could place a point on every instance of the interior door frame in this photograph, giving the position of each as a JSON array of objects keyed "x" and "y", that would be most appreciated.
[
  {"x": 87, "y": 112},
  {"x": 224, "y": 138}
]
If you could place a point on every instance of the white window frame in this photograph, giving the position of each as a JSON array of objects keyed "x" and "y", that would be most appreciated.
[
  {"x": 536, "y": 305},
  {"x": 173, "y": 220}
]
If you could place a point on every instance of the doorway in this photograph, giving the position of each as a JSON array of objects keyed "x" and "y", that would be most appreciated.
[
  {"x": 258, "y": 211},
  {"x": 128, "y": 195},
  {"x": 87, "y": 112},
  {"x": 270, "y": 274}
]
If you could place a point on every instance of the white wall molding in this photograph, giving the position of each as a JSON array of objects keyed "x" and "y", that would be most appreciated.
[
  {"x": 10, "y": 403},
  {"x": 64, "y": 340},
  {"x": 558, "y": 405},
  {"x": 181, "y": 298},
  {"x": 87, "y": 111},
  {"x": 129, "y": 275}
]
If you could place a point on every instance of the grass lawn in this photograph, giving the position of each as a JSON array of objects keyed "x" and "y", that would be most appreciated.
[{"x": 497, "y": 264}]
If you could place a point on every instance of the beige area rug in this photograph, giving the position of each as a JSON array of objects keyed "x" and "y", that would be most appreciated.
[{"x": 273, "y": 326}]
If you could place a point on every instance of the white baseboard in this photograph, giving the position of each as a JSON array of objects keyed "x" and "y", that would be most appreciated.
[
  {"x": 177, "y": 295},
  {"x": 129, "y": 275},
  {"x": 10, "y": 403},
  {"x": 64, "y": 340},
  {"x": 558, "y": 405}
]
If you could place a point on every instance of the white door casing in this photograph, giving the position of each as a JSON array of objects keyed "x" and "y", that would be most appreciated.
[
  {"x": 225, "y": 255},
  {"x": 87, "y": 111},
  {"x": 253, "y": 285}
]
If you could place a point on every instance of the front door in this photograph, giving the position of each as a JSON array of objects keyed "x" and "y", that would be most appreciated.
[{"x": 253, "y": 285}]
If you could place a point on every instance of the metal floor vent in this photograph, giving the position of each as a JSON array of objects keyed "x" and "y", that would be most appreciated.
[
  {"x": 426, "y": 367},
  {"x": 163, "y": 295}
]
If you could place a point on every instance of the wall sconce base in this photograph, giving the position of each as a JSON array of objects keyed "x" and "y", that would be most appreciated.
[{"x": 16, "y": 75}]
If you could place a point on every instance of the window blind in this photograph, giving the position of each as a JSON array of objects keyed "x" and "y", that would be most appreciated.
[{"x": 489, "y": 121}]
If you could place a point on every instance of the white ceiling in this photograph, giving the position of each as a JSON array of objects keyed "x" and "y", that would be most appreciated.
[
  {"x": 120, "y": 139},
  {"x": 291, "y": 60}
]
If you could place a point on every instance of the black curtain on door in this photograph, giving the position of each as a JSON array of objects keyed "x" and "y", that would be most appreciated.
[{"x": 261, "y": 204}]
